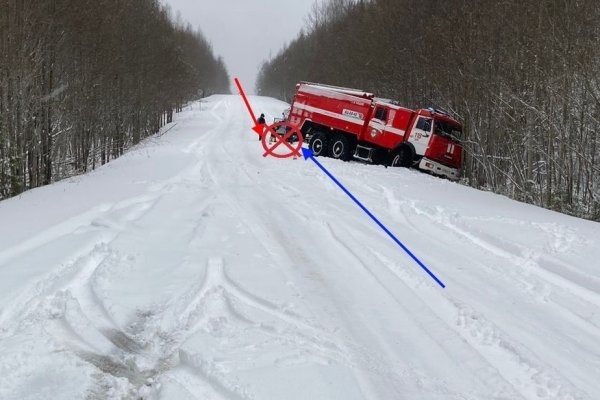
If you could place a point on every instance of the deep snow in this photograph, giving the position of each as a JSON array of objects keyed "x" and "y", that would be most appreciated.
[{"x": 194, "y": 268}]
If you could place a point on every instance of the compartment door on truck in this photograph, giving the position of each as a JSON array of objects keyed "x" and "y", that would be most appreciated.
[
  {"x": 382, "y": 130},
  {"x": 377, "y": 125}
]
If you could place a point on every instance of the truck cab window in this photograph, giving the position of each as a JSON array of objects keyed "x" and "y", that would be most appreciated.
[
  {"x": 381, "y": 114},
  {"x": 424, "y": 124},
  {"x": 447, "y": 129}
]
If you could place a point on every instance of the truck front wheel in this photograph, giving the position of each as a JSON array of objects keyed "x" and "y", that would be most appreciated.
[
  {"x": 318, "y": 144},
  {"x": 340, "y": 148},
  {"x": 401, "y": 157}
]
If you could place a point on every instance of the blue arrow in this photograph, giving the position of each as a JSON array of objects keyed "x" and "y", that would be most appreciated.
[{"x": 308, "y": 154}]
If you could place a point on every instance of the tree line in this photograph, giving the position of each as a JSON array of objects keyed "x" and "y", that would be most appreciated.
[
  {"x": 83, "y": 80},
  {"x": 522, "y": 75}
]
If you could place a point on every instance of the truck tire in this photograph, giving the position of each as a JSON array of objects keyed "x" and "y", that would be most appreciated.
[
  {"x": 401, "y": 157},
  {"x": 340, "y": 148},
  {"x": 318, "y": 144}
]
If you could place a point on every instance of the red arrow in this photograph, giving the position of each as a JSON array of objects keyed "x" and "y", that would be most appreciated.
[{"x": 258, "y": 128}]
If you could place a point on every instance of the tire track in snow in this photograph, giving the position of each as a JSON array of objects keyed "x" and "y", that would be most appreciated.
[
  {"x": 532, "y": 277},
  {"x": 189, "y": 308},
  {"x": 81, "y": 320},
  {"x": 94, "y": 224},
  {"x": 424, "y": 318},
  {"x": 217, "y": 304},
  {"x": 100, "y": 230},
  {"x": 65, "y": 300},
  {"x": 83, "y": 316},
  {"x": 255, "y": 226},
  {"x": 282, "y": 256},
  {"x": 528, "y": 374}
]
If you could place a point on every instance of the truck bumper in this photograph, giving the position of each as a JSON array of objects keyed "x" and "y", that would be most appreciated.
[{"x": 436, "y": 168}]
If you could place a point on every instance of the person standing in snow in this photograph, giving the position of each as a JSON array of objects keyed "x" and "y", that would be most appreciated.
[{"x": 261, "y": 121}]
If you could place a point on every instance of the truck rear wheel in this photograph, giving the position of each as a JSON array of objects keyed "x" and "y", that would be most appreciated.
[
  {"x": 401, "y": 157},
  {"x": 318, "y": 144},
  {"x": 340, "y": 148}
]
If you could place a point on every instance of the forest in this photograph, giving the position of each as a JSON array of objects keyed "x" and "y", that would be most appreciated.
[
  {"x": 83, "y": 80},
  {"x": 522, "y": 75}
]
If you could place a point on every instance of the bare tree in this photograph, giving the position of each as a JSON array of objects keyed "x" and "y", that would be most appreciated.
[{"x": 82, "y": 80}]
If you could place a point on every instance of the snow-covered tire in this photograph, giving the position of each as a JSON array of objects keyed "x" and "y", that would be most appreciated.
[
  {"x": 340, "y": 148},
  {"x": 401, "y": 157},
  {"x": 318, "y": 144}
]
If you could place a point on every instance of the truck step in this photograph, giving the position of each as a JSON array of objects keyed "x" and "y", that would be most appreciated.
[{"x": 364, "y": 153}]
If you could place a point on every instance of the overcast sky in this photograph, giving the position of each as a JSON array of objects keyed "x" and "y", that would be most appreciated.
[{"x": 244, "y": 32}]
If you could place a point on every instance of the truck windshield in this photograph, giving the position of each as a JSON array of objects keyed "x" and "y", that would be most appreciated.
[{"x": 448, "y": 129}]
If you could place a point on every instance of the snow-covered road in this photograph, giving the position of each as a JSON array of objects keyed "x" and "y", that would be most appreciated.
[{"x": 194, "y": 268}]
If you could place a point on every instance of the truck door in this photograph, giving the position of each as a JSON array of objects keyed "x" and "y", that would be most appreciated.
[
  {"x": 376, "y": 126},
  {"x": 421, "y": 134}
]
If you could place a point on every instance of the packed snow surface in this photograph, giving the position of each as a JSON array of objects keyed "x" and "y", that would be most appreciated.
[{"x": 195, "y": 268}]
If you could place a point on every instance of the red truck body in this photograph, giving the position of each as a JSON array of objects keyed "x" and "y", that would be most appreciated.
[{"x": 344, "y": 123}]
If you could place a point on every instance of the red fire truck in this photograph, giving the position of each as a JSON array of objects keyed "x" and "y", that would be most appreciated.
[{"x": 343, "y": 123}]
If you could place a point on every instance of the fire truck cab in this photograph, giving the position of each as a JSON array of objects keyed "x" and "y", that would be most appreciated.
[{"x": 347, "y": 123}]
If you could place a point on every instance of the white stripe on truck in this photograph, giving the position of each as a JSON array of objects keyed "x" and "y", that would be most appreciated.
[
  {"x": 386, "y": 128},
  {"x": 352, "y": 120}
]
